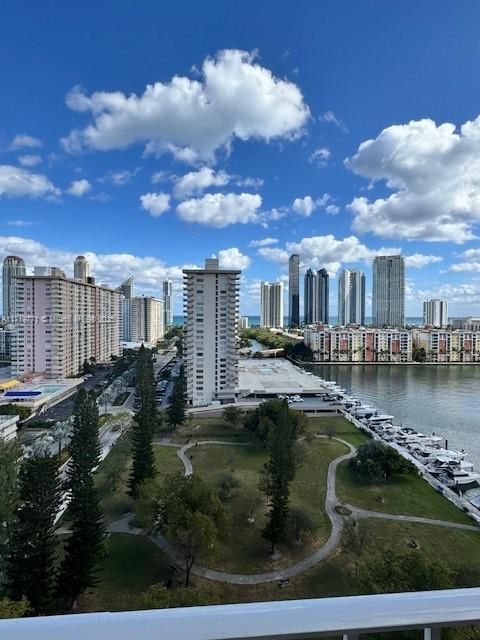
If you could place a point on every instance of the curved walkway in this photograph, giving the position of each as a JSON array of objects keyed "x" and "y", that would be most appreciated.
[{"x": 331, "y": 501}]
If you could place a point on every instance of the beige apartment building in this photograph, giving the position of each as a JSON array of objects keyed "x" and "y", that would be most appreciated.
[
  {"x": 359, "y": 345},
  {"x": 60, "y": 323},
  {"x": 457, "y": 345},
  {"x": 147, "y": 320},
  {"x": 211, "y": 308}
]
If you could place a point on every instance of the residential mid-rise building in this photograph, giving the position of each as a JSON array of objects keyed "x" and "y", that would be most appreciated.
[
  {"x": 294, "y": 290},
  {"x": 271, "y": 304},
  {"x": 437, "y": 345},
  {"x": 13, "y": 266},
  {"x": 435, "y": 313},
  {"x": 146, "y": 320},
  {"x": 388, "y": 294},
  {"x": 61, "y": 323},
  {"x": 316, "y": 297},
  {"x": 351, "y": 297},
  {"x": 81, "y": 268},
  {"x": 243, "y": 322},
  {"x": 168, "y": 302},
  {"x": 211, "y": 310},
  {"x": 359, "y": 344}
]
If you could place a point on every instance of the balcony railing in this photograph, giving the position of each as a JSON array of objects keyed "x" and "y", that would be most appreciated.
[{"x": 344, "y": 617}]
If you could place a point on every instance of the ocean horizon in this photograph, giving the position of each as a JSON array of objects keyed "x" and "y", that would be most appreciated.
[{"x": 255, "y": 320}]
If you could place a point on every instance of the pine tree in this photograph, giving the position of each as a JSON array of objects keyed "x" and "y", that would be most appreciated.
[
  {"x": 31, "y": 555},
  {"x": 85, "y": 546},
  {"x": 143, "y": 457},
  {"x": 176, "y": 409},
  {"x": 281, "y": 471}
]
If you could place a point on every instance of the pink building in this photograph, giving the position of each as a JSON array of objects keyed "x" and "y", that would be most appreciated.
[{"x": 60, "y": 323}]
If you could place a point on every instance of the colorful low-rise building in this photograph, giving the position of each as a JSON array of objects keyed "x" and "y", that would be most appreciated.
[
  {"x": 359, "y": 344},
  {"x": 456, "y": 345}
]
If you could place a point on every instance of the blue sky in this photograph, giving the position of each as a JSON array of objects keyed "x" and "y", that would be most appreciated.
[{"x": 250, "y": 142}]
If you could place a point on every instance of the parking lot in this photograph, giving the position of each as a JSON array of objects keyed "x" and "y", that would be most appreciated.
[{"x": 64, "y": 409}]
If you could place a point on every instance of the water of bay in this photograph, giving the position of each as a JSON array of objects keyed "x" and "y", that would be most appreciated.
[{"x": 442, "y": 399}]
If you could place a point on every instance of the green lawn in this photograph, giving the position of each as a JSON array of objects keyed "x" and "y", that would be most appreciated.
[
  {"x": 134, "y": 563},
  {"x": 249, "y": 553},
  {"x": 339, "y": 427},
  {"x": 131, "y": 565},
  {"x": 408, "y": 495},
  {"x": 111, "y": 479},
  {"x": 201, "y": 428},
  {"x": 167, "y": 461}
]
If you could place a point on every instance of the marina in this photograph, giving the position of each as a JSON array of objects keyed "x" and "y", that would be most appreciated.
[
  {"x": 446, "y": 470},
  {"x": 443, "y": 464}
]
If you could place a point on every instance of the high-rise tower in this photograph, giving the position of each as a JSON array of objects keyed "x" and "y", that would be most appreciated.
[
  {"x": 13, "y": 266},
  {"x": 388, "y": 294},
  {"x": 211, "y": 302},
  {"x": 81, "y": 269},
  {"x": 271, "y": 304},
  {"x": 294, "y": 290},
  {"x": 168, "y": 301},
  {"x": 315, "y": 298},
  {"x": 351, "y": 297}
]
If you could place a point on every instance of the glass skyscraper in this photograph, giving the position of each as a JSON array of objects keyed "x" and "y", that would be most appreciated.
[{"x": 388, "y": 300}]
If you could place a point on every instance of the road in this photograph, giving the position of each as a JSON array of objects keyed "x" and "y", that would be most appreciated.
[{"x": 64, "y": 409}]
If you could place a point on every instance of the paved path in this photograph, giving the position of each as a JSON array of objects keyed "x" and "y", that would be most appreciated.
[
  {"x": 331, "y": 501},
  {"x": 363, "y": 513}
]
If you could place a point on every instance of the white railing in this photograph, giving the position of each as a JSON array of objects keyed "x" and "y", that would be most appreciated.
[{"x": 344, "y": 617}]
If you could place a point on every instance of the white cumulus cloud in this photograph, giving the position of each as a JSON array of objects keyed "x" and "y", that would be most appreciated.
[
  {"x": 79, "y": 188},
  {"x": 326, "y": 251},
  {"x": 119, "y": 178},
  {"x": 307, "y": 205},
  {"x": 433, "y": 174},
  {"x": 195, "y": 182},
  {"x": 17, "y": 183},
  {"x": 235, "y": 98},
  {"x": 419, "y": 260},
  {"x": 111, "y": 268},
  {"x": 221, "y": 209},
  {"x": 30, "y": 160},
  {"x": 320, "y": 157},
  {"x": 155, "y": 203},
  {"x": 233, "y": 258},
  {"x": 23, "y": 140},
  {"x": 263, "y": 242}
]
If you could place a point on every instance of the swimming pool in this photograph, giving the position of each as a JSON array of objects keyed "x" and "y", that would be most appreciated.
[{"x": 47, "y": 389}]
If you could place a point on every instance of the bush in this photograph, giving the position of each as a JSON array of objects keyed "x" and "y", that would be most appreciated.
[
  {"x": 13, "y": 409},
  {"x": 376, "y": 462}
]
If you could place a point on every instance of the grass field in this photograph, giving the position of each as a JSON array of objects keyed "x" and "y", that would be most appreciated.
[
  {"x": 408, "y": 495},
  {"x": 200, "y": 428},
  {"x": 135, "y": 563},
  {"x": 111, "y": 480},
  {"x": 249, "y": 553},
  {"x": 166, "y": 460},
  {"x": 131, "y": 565}
]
